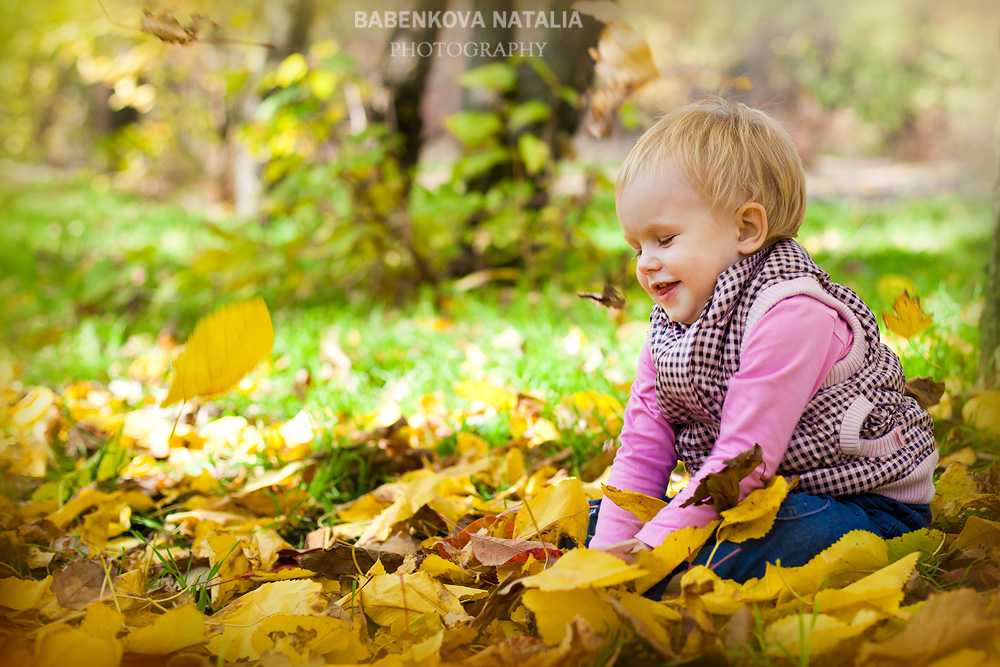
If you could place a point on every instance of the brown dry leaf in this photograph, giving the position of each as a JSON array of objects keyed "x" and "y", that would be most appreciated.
[
  {"x": 927, "y": 392},
  {"x": 609, "y": 297},
  {"x": 81, "y": 583},
  {"x": 339, "y": 560},
  {"x": 723, "y": 487},
  {"x": 493, "y": 551}
]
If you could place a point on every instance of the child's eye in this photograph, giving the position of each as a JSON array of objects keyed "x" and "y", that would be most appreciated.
[
  {"x": 666, "y": 240},
  {"x": 638, "y": 253}
]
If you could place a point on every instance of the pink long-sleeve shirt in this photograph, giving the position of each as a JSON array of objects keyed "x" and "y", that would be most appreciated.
[{"x": 785, "y": 358}]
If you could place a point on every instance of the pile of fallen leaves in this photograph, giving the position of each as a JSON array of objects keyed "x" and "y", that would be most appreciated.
[{"x": 196, "y": 542}]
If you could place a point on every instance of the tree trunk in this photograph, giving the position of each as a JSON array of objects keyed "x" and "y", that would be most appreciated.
[
  {"x": 406, "y": 78},
  {"x": 989, "y": 323}
]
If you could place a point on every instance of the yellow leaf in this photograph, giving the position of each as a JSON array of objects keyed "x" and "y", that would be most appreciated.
[
  {"x": 978, "y": 532},
  {"x": 679, "y": 546},
  {"x": 484, "y": 392},
  {"x": 954, "y": 485},
  {"x": 291, "y": 70},
  {"x": 225, "y": 345},
  {"x": 983, "y": 411},
  {"x": 561, "y": 507},
  {"x": 754, "y": 515},
  {"x": 945, "y": 622},
  {"x": 388, "y": 597},
  {"x": 814, "y": 633},
  {"x": 31, "y": 408},
  {"x": 720, "y": 596},
  {"x": 20, "y": 594},
  {"x": 880, "y": 592},
  {"x": 446, "y": 492},
  {"x": 581, "y": 568},
  {"x": 554, "y": 610},
  {"x": 853, "y": 556},
  {"x": 226, "y": 552},
  {"x": 231, "y": 630},
  {"x": 92, "y": 644},
  {"x": 908, "y": 317},
  {"x": 643, "y": 507},
  {"x": 510, "y": 470},
  {"x": 298, "y": 635},
  {"x": 176, "y": 629}
]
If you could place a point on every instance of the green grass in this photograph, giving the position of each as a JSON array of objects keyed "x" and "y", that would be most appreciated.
[{"x": 85, "y": 269}]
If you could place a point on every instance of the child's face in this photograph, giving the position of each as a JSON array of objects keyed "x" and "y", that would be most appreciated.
[{"x": 681, "y": 247}]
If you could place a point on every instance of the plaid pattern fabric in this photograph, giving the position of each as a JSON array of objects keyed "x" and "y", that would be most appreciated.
[{"x": 694, "y": 363}]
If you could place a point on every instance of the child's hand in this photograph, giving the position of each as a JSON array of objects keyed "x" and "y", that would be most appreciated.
[{"x": 626, "y": 550}]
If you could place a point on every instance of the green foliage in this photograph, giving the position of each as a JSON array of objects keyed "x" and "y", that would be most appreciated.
[{"x": 353, "y": 216}]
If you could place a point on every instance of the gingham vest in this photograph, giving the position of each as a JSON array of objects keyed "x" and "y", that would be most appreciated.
[{"x": 858, "y": 433}]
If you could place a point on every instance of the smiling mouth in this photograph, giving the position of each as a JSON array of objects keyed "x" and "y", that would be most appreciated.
[{"x": 664, "y": 289}]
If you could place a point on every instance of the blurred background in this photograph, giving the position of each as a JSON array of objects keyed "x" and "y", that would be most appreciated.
[{"x": 161, "y": 157}]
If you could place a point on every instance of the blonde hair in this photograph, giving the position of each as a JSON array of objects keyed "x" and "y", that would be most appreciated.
[{"x": 732, "y": 154}]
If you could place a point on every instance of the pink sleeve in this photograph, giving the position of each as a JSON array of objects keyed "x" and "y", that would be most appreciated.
[
  {"x": 784, "y": 361},
  {"x": 645, "y": 459}
]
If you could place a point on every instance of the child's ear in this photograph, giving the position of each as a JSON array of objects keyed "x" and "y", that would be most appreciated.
[{"x": 751, "y": 221}]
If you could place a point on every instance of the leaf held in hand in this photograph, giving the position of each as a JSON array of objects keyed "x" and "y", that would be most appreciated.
[
  {"x": 225, "y": 346},
  {"x": 643, "y": 507},
  {"x": 908, "y": 317},
  {"x": 723, "y": 487}
]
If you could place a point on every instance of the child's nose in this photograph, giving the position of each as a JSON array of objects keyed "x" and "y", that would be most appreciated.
[{"x": 648, "y": 262}]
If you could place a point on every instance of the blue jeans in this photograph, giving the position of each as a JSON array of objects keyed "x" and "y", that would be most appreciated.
[{"x": 805, "y": 525}]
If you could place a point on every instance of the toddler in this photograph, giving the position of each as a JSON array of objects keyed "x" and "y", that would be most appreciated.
[{"x": 751, "y": 342}]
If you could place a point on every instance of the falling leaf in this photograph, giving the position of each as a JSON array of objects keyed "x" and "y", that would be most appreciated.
[
  {"x": 925, "y": 390},
  {"x": 225, "y": 346},
  {"x": 723, "y": 487},
  {"x": 609, "y": 298},
  {"x": 908, "y": 317},
  {"x": 641, "y": 506}
]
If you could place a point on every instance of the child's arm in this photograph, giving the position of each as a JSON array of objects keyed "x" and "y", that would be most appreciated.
[
  {"x": 785, "y": 359},
  {"x": 644, "y": 461}
]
